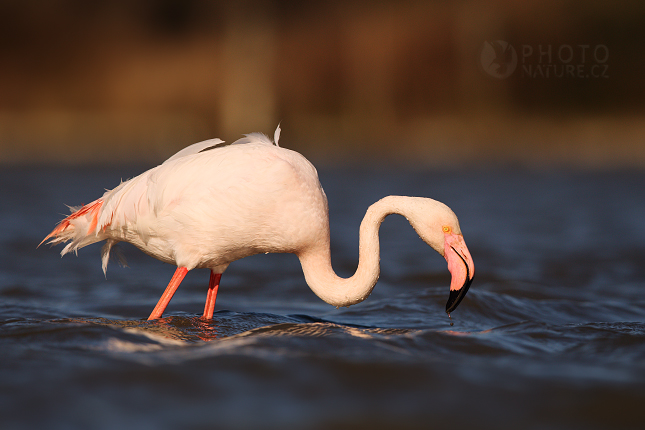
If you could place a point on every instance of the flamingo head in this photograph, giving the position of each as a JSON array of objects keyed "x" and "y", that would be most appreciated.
[{"x": 438, "y": 226}]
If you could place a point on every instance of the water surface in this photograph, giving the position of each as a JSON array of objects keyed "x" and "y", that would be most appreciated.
[{"x": 551, "y": 334}]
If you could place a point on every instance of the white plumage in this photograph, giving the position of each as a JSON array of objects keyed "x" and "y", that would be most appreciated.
[{"x": 211, "y": 204}]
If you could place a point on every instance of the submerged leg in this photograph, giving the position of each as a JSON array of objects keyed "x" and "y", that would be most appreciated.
[
  {"x": 167, "y": 295},
  {"x": 213, "y": 286}
]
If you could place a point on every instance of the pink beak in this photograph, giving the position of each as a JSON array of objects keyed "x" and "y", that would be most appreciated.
[{"x": 461, "y": 267}]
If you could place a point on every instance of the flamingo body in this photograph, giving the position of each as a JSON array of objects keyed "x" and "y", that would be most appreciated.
[{"x": 211, "y": 204}]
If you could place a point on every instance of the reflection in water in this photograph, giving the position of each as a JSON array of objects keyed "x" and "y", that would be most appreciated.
[{"x": 177, "y": 330}]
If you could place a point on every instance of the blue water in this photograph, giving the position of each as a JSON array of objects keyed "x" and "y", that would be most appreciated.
[{"x": 551, "y": 334}]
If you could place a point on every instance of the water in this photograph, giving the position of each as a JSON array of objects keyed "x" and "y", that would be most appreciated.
[{"x": 551, "y": 334}]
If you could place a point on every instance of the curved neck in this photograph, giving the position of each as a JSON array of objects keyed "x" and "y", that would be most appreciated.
[{"x": 316, "y": 260}]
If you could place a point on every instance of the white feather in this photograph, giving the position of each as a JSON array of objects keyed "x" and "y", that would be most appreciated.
[
  {"x": 111, "y": 244},
  {"x": 254, "y": 138},
  {"x": 276, "y": 135},
  {"x": 195, "y": 148}
]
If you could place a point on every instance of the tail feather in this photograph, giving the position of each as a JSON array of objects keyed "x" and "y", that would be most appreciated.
[
  {"x": 111, "y": 245},
  {"x": 80, "y": 227}
]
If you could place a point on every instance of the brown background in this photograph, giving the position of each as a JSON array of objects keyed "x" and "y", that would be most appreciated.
[{"x": 396, "y": 81}]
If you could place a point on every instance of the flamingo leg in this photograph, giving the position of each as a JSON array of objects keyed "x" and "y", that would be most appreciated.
[
  {"x": 213, "y": 286},
  {"x": 167, "y": 295}
]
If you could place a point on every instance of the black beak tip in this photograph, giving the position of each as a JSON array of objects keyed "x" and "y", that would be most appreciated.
[{"x": 456, "y": 296}]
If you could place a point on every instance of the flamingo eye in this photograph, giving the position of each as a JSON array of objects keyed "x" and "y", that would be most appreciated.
[{"x": 446, "y": 229}]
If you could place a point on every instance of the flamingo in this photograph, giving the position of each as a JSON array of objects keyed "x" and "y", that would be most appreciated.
[{"x": 211, "y": 204}]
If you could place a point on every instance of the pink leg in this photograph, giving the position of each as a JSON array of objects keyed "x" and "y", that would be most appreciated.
[
  {"x": 167, "y": 295},
  {"x": 213, "y": 286}
]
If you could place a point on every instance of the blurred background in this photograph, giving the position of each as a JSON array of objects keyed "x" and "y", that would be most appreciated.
[{"x": 433, "y": 83}]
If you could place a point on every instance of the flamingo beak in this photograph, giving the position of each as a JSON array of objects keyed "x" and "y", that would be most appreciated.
[{"x": 461, "y": 267}]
